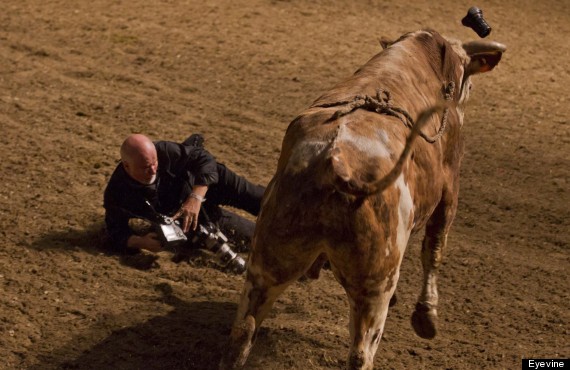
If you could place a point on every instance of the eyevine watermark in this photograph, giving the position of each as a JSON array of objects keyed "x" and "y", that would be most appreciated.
[{"x": 545, "y": 363}]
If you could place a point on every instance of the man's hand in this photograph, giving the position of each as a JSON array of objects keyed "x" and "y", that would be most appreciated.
[
  {"x": 150, "y": 242},
  {"x": 189, "y": 214},
  {"x": 191, "y": 208}
]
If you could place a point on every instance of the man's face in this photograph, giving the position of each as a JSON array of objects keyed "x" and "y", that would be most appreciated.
[{"x": 142, "y": 168}]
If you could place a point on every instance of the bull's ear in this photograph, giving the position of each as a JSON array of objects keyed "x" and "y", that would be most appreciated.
[
  {"x": 385, "y": 42},
  {"x": 485, "y": 55}
]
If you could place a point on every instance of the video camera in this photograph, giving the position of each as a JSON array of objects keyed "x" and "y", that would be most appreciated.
[{"x": 207, "y": 237}]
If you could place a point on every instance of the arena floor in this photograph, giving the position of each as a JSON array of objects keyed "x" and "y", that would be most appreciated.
[{"x": 77, "y": 77}]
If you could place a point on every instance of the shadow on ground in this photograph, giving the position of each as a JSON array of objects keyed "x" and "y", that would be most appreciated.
[
  {"x": 191, "y": 336},
  {"x": 194, "y": 335},
  {"x": 94, "y": 241},
  {"x": 91, "y": 240}
]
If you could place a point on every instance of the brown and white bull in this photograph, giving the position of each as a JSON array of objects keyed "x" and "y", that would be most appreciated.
[{"x": 351, "y": 186}]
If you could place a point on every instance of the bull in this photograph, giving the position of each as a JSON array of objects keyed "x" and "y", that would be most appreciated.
[{"x": 356, "y": 177}]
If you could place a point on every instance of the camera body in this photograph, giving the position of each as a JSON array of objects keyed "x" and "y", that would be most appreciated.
[
  {"x": 170, "y": 231},
  {"x": 206, "y": 237}
]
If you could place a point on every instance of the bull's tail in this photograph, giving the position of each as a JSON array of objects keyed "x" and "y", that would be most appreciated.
[{"x": 346, "y": 183}]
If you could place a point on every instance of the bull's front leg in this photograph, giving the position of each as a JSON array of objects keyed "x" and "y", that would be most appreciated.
[{"x": 424, "y": 318}]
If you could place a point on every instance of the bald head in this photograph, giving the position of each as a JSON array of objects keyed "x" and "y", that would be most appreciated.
[
  {"x": 136, "y": 145},
  {"x": 139, "y": 159}
]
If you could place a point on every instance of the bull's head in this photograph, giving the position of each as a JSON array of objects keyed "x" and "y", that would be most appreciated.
[
  {"x": 459, "y": 61},
  {"x": 483, "y": 55}
]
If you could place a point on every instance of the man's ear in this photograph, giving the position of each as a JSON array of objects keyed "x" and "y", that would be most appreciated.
[{"x": 485, "y": 55}]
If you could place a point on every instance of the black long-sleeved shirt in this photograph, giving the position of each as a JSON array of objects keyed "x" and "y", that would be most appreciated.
[{"x": 180, "y": 167}]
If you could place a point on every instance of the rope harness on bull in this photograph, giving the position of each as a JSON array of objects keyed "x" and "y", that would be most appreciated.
[{"x": 382, "y": 104}]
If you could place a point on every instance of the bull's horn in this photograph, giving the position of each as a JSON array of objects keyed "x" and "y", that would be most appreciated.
[{"x": 480, "y": 46}]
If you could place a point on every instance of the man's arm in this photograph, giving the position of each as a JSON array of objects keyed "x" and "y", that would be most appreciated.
[
  {"x": 199, "y": 168},
  {"x": 190, "y": 209},
  {"x": 121, "y": 235},
  {"x": 150, "y": 242},
  {"x": 194, "y": 162},
  {"x": 117, "y": 225}
]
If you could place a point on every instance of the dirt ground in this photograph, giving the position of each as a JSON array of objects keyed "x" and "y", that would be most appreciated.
[{"x": 77, "y": 77}]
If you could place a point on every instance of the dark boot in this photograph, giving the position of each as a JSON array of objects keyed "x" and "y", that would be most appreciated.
[{"x": 196, "y": 140}]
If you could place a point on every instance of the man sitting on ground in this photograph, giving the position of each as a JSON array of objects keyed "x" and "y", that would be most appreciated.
[{"x": 177, "y": 180}]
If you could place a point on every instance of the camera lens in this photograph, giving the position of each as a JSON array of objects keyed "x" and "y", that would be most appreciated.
[
  {"x": 474, "y": 19},
  {"x": 210, "y": 239},
  {"x": 237, "y": 265}
]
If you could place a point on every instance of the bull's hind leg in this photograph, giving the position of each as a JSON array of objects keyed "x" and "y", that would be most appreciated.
[
  {"x": 272, "y": 268},
  {"x": 369, "y": 291},
  {"x": 424, "y": 318}
]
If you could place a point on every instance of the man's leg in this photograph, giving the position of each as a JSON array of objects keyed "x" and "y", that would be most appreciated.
[{"x": 235, "y": 191}]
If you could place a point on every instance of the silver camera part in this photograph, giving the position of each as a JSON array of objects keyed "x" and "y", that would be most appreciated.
[
  {"x": 237, "y": 265},
  {"x": 171, "y": 231},
  {"x": 216, "y": 244}
]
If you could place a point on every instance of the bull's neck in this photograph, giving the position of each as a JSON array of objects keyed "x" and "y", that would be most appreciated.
[{"x": 405, "y": 75}]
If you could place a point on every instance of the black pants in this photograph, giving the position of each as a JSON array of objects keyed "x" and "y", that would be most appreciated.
[{"x": 234, "y": 191}]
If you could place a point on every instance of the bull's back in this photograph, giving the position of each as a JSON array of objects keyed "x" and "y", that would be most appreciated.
[
  {"x": 318, "y": 155},
  {"x": 361, "y": 147}
]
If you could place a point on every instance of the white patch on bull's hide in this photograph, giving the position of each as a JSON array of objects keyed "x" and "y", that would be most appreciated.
[
  {"x": 376, "y": 304},
  {"x": 420, "y": 32},
  {"x": 429, "y": 291},
  {"x": 383, "y": 136},
  {"x": 404, "y": 211},
  {"x": 302, "y": 153},
  {"x": 373, "y": 147},
  {"x": 378, "y": 311},
  {"x": 463, "y": 98}
]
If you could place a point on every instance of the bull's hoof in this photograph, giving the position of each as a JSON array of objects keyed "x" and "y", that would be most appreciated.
[
  {"x": 356, "y": 361},
  {"x": 241, "y": 339},
  {"x": 424, "y": 320}
]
